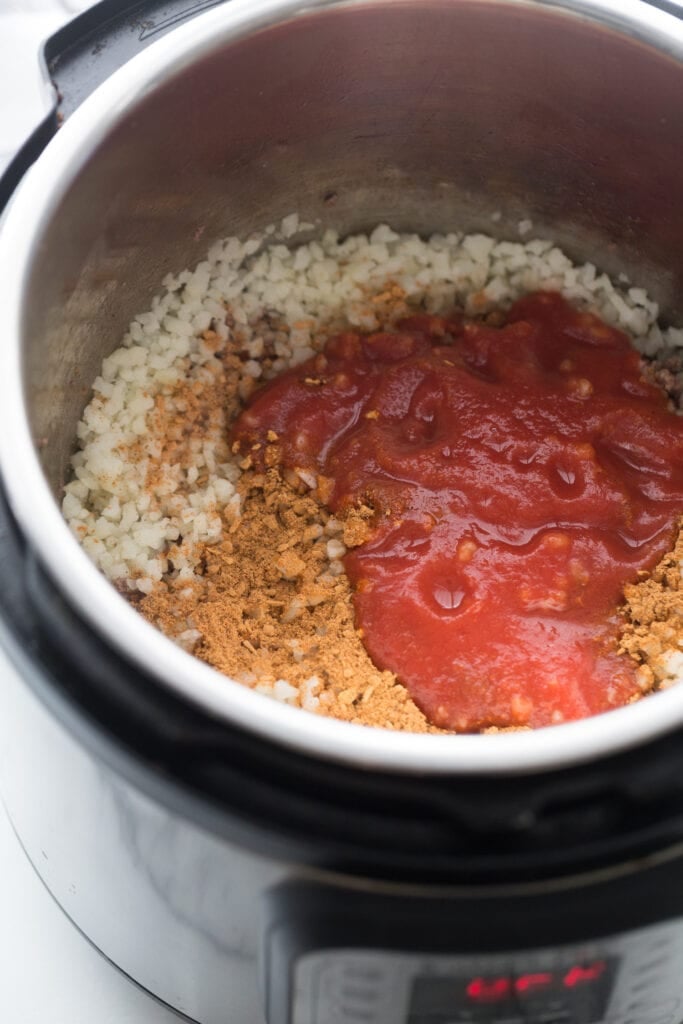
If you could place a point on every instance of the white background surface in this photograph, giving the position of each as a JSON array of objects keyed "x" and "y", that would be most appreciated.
[
  {"x": 49, "y": 974},
  {"x": 23, "y": 25}
]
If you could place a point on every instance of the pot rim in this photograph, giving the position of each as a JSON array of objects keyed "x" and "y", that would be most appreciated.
[{"x": 40, "y": 518}]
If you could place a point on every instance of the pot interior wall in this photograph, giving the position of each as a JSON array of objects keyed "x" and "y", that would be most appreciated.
[{"x": 431, "y": 115}]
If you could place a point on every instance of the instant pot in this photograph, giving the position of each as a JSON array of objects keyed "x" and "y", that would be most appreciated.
[{"x": 244, "y": 861}]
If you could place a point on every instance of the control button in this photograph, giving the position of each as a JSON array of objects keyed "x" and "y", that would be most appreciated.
[{"x": 358, "y": 994}]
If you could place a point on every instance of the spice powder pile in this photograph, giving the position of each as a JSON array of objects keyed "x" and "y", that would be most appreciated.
[{"x": 270, "y": 604}]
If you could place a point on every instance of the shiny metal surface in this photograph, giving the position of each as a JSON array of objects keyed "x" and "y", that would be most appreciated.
[{"x": 431, "y": 114}]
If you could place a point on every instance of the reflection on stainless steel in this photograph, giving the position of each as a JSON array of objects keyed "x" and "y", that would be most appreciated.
[{"x": 430, "y": 114}]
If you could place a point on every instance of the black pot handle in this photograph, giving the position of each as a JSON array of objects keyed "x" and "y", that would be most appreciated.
[
  {"x": 674, "y": 7},
  {"x": 85, "y": 52}
]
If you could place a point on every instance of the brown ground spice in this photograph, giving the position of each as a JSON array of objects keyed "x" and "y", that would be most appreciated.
[
  {"x": 654, "y": 618},
  {"x": 267, "y": 608}
]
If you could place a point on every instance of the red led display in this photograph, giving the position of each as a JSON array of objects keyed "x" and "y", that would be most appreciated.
[
  {"x": 578, "y": 975},
  {"x": 532, "y": 982},
  {"x": 489, "y": 990},
  {"x": 492, "y": 990}
]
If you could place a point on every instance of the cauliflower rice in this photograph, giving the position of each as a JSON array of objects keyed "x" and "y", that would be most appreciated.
[{"x": 276, "y": 304}]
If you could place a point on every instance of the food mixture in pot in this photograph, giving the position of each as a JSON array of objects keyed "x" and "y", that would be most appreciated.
[{"x": 454, "y": 506}]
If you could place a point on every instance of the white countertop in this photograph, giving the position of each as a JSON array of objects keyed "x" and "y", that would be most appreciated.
[{"x": 49, "y": 973}]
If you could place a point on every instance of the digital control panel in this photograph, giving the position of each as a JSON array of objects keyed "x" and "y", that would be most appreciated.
[
  {"x": 578, "y": 992},
  {"x": 632, "y": 978}
]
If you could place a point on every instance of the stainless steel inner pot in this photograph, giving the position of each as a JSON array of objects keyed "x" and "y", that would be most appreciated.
[{"x": 429, "y": 114}]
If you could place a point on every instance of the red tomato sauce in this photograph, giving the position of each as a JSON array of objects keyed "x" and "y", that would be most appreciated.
[{"x": 520, "y": 477}]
